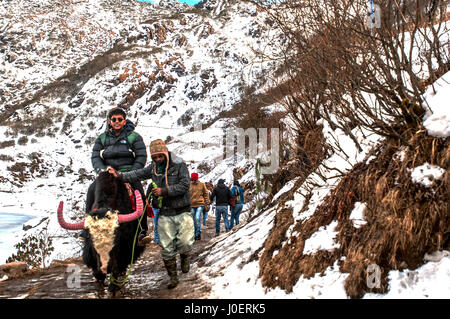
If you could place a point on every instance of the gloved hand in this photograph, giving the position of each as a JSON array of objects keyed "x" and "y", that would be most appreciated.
[{"x": 206, "y": 208}]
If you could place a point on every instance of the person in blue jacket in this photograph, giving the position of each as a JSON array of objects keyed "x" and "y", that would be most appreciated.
[{"x": 237, "y": 191}]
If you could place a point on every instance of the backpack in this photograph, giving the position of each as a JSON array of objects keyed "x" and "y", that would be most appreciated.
[
  {"x": 232, "y": 201},
  {"x": 238, "y": 195},
  {"x": 131, "y": 138}
]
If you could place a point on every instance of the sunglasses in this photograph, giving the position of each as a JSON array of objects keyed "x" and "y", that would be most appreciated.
[{"x": 118, "y": 119}]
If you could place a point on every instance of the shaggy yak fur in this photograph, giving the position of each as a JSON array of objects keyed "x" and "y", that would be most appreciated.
[{"x": 112, "y": 195}]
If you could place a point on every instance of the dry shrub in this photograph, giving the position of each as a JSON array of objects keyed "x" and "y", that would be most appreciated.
[
  {"x": 24, "y": 171},
  {"x": 7, "y": 143},
  {"x": 23, "y": 140},
  {"x": 284, "y": 269},
  {"x": 204, "y": 168},
  {"x": 275, "y": 272},
  {"x": 405, "y": 220},
  {"x": 335, "y": 60},
  {"x": 310, "y": 150},
  {"x": 4, "y": 157},
  {"x": 38, "y": 124},
  {"x": 134, "y": 93},
  {"x": 252, "y": 110}
]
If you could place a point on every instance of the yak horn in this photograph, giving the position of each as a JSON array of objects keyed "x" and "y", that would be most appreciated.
[
  {"x": 66, "y": 225},
  {"x": 132, "y": 216}
]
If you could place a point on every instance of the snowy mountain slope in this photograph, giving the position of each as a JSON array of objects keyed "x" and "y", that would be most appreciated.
[
  {"x": 64, "y": 64},
  {"x": 175, "y": 69}
]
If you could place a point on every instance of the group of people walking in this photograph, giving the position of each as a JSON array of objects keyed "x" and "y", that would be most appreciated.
[
  {"x": 176, "y": 201},
  {"x": 225, "y": 197},
  {"x": 203, "y": 194}
]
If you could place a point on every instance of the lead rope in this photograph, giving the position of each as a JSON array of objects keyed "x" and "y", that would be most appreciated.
[{"x": 122, "y": 282}]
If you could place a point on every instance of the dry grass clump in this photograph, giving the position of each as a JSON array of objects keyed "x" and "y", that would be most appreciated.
[
  {"x": 24, "y": 171},
  {"x": 310, "y": 150},
  {"x": 290, "y": 263},
  {"x": 39, "y": 124},
  {"x": 282, "y": 269},
  {"x": 6, "y": 144},
  {"x": 405, "y": 220}
]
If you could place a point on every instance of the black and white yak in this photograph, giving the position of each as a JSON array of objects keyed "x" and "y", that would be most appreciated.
[{"x": 110, "y": 229}]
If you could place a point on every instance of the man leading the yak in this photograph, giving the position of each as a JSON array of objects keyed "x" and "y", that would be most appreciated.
[
  {"x": 123, "y": 149},
  {"x": 175, "y": 225}
]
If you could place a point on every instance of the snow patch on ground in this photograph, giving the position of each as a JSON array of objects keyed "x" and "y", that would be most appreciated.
[
  {"x": 427, "y": 281},
  {"x": 357, "y": 215},
  {"x": 427, "y": 174},
  {"x": 323, "y": 239},
  {"x": 437, "y": 109}
]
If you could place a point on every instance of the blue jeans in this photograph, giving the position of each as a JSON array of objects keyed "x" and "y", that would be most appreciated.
[
  {"x": 196, "y": 213},
  {"x": 155, "y": 224},
  {"x": 205, "y": 217},
  {"x": 222, "y": 211},
  {"x": 235, "y": 213}
]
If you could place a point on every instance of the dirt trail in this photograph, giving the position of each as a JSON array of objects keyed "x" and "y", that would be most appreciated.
[{"x": 148, "y": 278}]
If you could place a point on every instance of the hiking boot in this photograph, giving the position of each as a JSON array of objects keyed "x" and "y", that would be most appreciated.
[
  {"x": 143, "y": 239},
  {"x": 198, "y": 237},
  {"x": 171, "y": 267},
  {"x": 185, "y": 263}
]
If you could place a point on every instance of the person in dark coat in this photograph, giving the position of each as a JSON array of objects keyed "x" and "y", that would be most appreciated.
[
  {"x": 222, "y": 195},
  {"x": 175, "y": 224},
  {"x": 120, "y": 146},
  {"x": 123, "y": 149}
]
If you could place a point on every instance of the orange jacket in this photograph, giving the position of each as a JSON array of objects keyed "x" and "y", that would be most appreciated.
[{"x": 199, "y": 194}]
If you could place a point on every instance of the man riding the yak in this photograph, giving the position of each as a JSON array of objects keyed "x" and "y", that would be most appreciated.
[{"x": 121, "y": 148}]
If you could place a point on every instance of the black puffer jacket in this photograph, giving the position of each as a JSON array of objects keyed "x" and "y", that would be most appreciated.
[
  {"x": 222, "y": 194},
  {"x": 117, "y": 152},
  {"x": 176, "y": 194}
]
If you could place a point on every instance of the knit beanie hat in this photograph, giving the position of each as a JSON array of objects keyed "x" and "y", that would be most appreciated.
[
  {"x": 194, "y": 176},
  {"x": 159, "y": 147}
]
